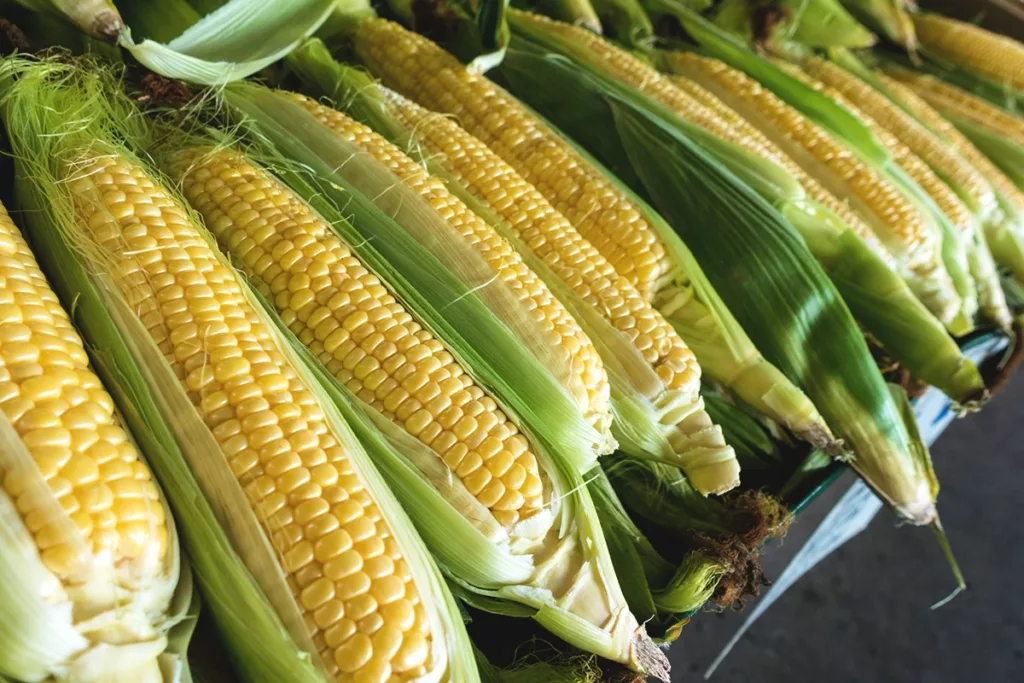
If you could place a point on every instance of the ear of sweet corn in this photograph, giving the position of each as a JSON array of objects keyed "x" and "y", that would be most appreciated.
[
  {"x": 1004, "y": 231},
  {"x": 629, "y": 235},
  {"x": 85, "y": 536},
  {"x": 893, "y": 218},
  {"x": 258, "y": 462},
  {"x": 948, "y": 213},
  {"x": 683, "y": 182},
  {"x": 650, "y": 367},
  {"x": 993, "y": 56},
  {"x": 974, "y": 201},
  {"x": 550, "y": 562}
]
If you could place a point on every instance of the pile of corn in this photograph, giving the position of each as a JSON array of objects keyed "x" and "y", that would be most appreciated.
[{"x": 402, "y": 338}]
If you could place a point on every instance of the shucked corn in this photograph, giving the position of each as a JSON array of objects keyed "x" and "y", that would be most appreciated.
[
  {"x": 345, "y": 568},
  {"x": 564, "y": 332},
  {"x": 412, "y": 65},
  {"x": 361, "y": 334},
  {"x": 66, "y": 420},
  {"x": 550, "y": 235}
]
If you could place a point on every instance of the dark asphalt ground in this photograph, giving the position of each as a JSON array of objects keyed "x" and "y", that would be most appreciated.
[{"x": 863, "y": 614}]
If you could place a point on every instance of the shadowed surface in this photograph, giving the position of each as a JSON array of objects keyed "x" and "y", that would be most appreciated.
[{"x": 863, "y": 613}]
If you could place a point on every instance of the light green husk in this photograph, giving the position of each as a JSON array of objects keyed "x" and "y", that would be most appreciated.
[
  {"x": 520, "y": 569},
  {"x": 59, "y": 114},
  {"x": 888, "y": 17},
  {"x": 757, "y": 262},
  {"x": 646, "y": 413},
  {"x": 878, "y": 297},
  {"x": 811, "y": 23},
  {"x": 234, "y": 41}
]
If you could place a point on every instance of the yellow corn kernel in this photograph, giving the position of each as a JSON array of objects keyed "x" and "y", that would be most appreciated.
[
  {"x": 348, "y": 319},
  {"x": 422, "y": 71},
  {"x": 67, "y": 423},
  {"x": 219, "y": 346}
]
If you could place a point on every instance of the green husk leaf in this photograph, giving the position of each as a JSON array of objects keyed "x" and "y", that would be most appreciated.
[
  {"x": 233, "y": 42},
  {"x": 471, "y": 310},
  {"x": 723, "y": 349},
  {"x": 794, "y": 92},
  {"x": 891, "y": 18},
  {"x": 640, "y": 401},
  {"x": 626, "y": 22},
  {"x": 811, "y": 23},
  {"x": 79, "y": 110},
  {"x": 576, "y": 12}
]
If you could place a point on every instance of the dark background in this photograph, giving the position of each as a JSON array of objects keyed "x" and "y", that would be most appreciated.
[{"x": 863, "y": 614}]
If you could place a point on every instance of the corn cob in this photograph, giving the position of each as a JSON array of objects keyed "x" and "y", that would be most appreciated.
[
  {"x": 363, "y": 336},
  {"x": 952, "y": 101},
  {"x": 548, "y": 235},
  {"x": 75, "y": 478},
  {"x": 893, "y": 218},
  {"x": 601, "y": 213},
  {"x": 364, "y": 613},
  {"x": 565, "y": 332},
  {"x": 994, "y": 56},
  {"x": 66, "y": 419},
  {"x": 913, "y": 134},
  {"x": 698, "y": 106},
  {"x": 1003, "y": 231},
  {"x": 958, "y": 142}
]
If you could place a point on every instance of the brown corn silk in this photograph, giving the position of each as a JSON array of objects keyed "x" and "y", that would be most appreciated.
[{"x": 361, "y": 606}]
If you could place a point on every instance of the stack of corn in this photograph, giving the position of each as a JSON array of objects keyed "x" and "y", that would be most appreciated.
[{"x": 329, "y": 557}]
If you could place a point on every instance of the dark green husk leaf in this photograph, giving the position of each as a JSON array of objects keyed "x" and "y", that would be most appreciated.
[{"x": 793, "y": 312}]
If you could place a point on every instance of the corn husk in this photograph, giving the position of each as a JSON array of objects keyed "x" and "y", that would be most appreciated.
[
  {"x": 61, "y": 113},
  {"x": 520, "y": 570},
  {"x": 757, "y": 262},
  {"x": 646, "y": 412},
  {"x": 891, "y": 18},
  {"x": 811, "y": 23}
]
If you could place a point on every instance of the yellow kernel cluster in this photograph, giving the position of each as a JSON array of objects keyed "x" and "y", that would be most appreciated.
[
  {"x": 995, "y": 56},
  {"x": 551, "y": 237},
  {"x": 813, "y": 188},
  {"x": 422, "y": 71},
  {"x": 364, "y": 337},
  {"x": 955, "y": 139},
  {"x": 339, "y": 556},
  {"x": 564, "y": 333},
  {"x": 953, "y": 101},
  {"x": 66, "y": 420},
  {"x": 915, "y": 136},
  {"x": 901, "y": 219}
]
